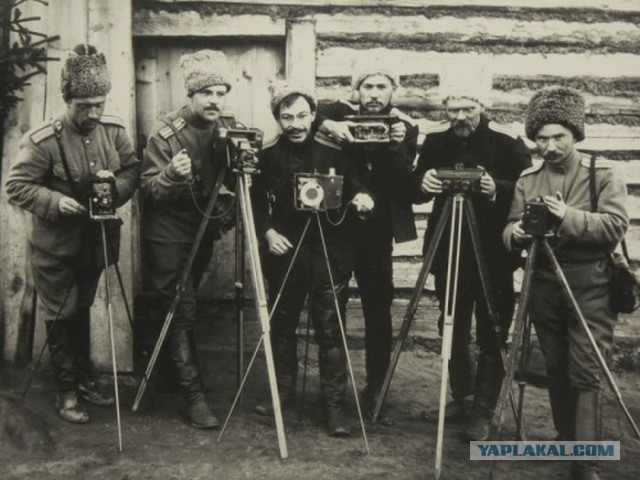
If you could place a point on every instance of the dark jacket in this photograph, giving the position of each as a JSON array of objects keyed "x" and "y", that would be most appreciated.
[
  {"x": 37, "y": 180},
  {"x": 503, "y": 156},
  {"x": 386, "y": 171},
  {"x": 273, "y": 197}
]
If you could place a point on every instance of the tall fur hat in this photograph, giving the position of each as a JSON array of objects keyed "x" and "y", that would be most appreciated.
[
  {"x": 282, "y": 90},
  {"x": 84, "y": 74},
  {"x": 368, "y": 66},
  {"x": 561, "y": 105},
  {"x": 203, "y": 69}
]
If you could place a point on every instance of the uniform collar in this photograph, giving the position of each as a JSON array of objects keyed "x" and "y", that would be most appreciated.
[{"x": 66, "y": 122}]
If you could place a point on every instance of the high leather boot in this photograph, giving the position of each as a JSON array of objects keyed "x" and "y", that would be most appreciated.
[
  {"x": 587, "y": 427},
  {"x": 563, "y": 403},
  {"x": 487, "y": 389},
  {"x": 63, "y": 362},
  {"x": 285, "y": 357},
  {"x": 333, "y": 385},
  {"x": 183, "y": 352}
]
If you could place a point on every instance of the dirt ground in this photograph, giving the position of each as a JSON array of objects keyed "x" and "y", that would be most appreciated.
[{"x": 158, "y": 443}]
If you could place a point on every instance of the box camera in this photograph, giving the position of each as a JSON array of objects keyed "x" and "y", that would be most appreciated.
[
  {"x": 371, "y": 128},
  {"x": 317, "y": 191},
  {"x": 246, "y": 143},
  {"x": 102, "y": 201},
  {"x": 537, "y": 220},
  {"x": 460, "y": 180}
]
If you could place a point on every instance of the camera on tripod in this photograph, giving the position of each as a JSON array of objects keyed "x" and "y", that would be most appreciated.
[
  {"x": 317, "y": 191},
  {"x": 371, "y": 128},
  {"x": 246, "y": 142},
  {"x": 102, "y": 198},
  {"x": 537, "y": 220},
  {"x": 460, "y": 180}
]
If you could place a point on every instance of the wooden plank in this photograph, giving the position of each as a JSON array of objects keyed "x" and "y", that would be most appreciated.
[
  {"x": 110, "y": 34},
  {"x": 337, "y": 61},
  {"x": 149, "y": 23},
  {"x": 301, "y": 53},
  {"x": 620, "y": 5}
]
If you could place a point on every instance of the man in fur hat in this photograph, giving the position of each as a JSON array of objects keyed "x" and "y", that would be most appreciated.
[
  {"x": 183, "y": 158},
  {"x": 51, "y": 179},
  {"x": 469, "y": 139},
  {"x": 281, "y": 225},
  {"x": 583, "y": 242},
  {"x": 385, "y": 169}
]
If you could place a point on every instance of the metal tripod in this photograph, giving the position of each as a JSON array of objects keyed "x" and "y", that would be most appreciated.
[
  {"x": 454, "y": 213},
  {"x": 522, "y": 330},
  {"x": 265, "y": 335}
]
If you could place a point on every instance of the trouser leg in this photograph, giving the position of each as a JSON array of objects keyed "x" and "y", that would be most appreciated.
[{"x": 63, "y": 358}]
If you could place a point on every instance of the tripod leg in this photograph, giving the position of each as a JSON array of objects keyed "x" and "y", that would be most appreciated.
[
  {"x": 304, "y": 370},
  {"x": 451, "y": 295},
  {"x": 522, "y": 383},
  {"x": 585, "y": 326},
  {"x": 239, "y": 294},
  {"x": 180, "y": 288},
  {"x": 488, "y": 295},
  {"x": 413, "y": 305},
  {"x": 342, "y": 333},
  {"x": 111, "y": 333}
]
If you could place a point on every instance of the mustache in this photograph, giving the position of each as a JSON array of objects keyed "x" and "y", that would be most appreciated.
[
  {"x": 212, "y": 109},
  {"x": 296, "y": 130}
]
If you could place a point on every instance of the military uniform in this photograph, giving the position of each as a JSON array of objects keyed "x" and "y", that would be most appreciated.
[
  {"x": 386, "y": 171},
  {"x": 582, "y": 246},
  {"x": 504, "y": 156},
  {"x": 65, "y": 263},
  {"x": 273, "y": 200}
]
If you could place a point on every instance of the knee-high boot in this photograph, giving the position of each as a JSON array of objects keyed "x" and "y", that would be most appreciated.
[
  {"x": 286, "y": 362},
  {"x": 183, "y": 352},
  {"x": 63, "y": 362},
  {"x": 563, "y": 403},
  {"x": 587, "y": 427},
  {"x": 333, "y": 385},
  {"x": 489, "y": 376}
]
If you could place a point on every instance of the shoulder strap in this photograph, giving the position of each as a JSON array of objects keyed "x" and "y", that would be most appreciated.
[
  {"x": 57, "y": 128},
  {"x": 175, "y": 132}
]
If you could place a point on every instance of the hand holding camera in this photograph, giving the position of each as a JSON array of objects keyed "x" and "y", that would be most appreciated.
[
  {"x": 398, "y": 132},
  {"x": 487, "y": 185},
  {"x": 430, "y": 182},
  {"x": 180, "y": 165},
  {"x": 339, "y": 131},
  {"x": 556, "y": 205},
  {"x": 69, "y": 207}
]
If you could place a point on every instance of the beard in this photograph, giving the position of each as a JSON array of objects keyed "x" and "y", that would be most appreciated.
[{"x": 462, "y": 128}]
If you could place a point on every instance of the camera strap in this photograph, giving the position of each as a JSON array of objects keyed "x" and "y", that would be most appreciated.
[{"x": 57, "y": 128}]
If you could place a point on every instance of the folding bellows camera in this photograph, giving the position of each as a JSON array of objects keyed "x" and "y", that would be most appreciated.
[
  {"x": 244, "y": 140},
  {"x": 317, "y": 191},
  {"x": 371, "y": 128},
  {"x": 460, "y": 180}
]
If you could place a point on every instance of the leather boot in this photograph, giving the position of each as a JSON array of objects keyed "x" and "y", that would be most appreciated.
[
  {"x": 63, "y": 362},
  {"x": 183, "y": 352},
  {"x": 563, "y": 403},
  {"x": 487, "y": 389},
  {"x": 587, "y": 427},
  {"x": 285, "y": 358},
  {"x": 333, "y": 385}
]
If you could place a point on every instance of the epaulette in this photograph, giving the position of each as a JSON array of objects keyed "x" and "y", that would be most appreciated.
[
  {"x": 438, "y": 127},
  {"x": 537, "y": 165},
  {"x": 270, "y": 143},
  {"x": 42, "y": 133},
  {"x": 396, "y": 112},
  {"x": 325, "y": 140},
  {"x": 112, "y": 120},
  {"x": 600, "y": 163},
  {"x": 351, "y": 105},
  {"x": 496, "y": 127},
  {"x": 167, "y": 132}
]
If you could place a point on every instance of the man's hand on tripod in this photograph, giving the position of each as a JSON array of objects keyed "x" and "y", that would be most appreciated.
[
  {"x": 278, "y": 244},
  {"x": 518, "y": 234},
  {"x": 430, "y": 182}
]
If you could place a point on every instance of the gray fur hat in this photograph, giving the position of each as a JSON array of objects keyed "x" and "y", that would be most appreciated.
[
  {"x": 203, "y": 69},
  {"x": 561, "y": 105},
  {"x": 367, "y": 66},
  {"x": 84, "y": 74},
  {"x": 283, "y": 90}
]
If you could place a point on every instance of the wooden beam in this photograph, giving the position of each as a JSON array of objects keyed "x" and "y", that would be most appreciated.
[{"x": 301, "y": 52}]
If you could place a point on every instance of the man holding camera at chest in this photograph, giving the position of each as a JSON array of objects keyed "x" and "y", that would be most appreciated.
[
  {"x": 183, "y": 158},
  {"x": 582, "y": 239},
  {"x": 299, "y": 179},
  {"x": 469, "y": 140},
  {"x": 385, "y": 169},
  {"x": 57, "y": 167}
]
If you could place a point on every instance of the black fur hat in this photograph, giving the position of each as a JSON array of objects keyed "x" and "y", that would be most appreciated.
[{"x": 561, "y": 105}]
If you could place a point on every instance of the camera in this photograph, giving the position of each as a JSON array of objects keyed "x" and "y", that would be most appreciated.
[
  {"x": 460, "y": 180},
  {"x": 371, "y": 128},
  {"x": 537, "y": 220},
  {"x": 246, "y": 143},
  {"x": 317, "y": 191},
  {"x": 102, "y": 198}
]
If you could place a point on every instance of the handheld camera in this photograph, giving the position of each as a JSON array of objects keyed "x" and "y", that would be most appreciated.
[
  {"x": 371, "y": 128},
  {"x": 460, "y": 180},
  {"x": 537, "y": 220},
  {"x": 102, "y": 198},
  {"x": 246, "y": 143},
  {"x": 317, "y": 191}
]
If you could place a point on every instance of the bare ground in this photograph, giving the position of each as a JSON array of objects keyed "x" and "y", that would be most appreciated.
[{"x": 158, "y": 443}]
